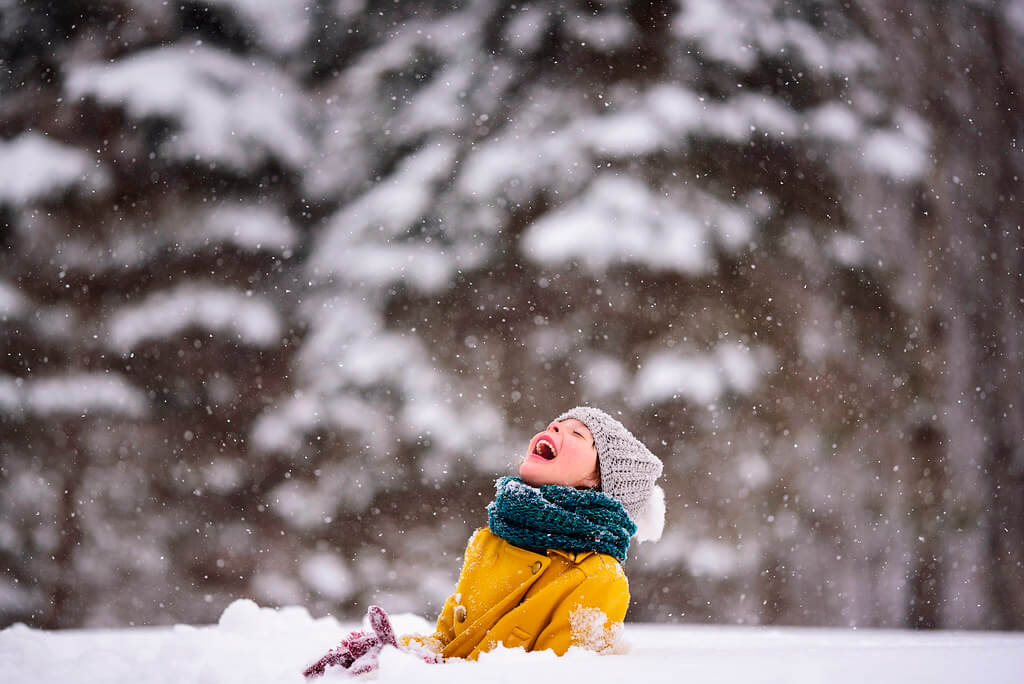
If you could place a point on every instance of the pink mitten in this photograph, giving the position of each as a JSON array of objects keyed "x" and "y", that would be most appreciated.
[
  {"x": 357, "y": 648},
  {"x": 359, "y": 652},
  {"x": 385, "y": 632}
]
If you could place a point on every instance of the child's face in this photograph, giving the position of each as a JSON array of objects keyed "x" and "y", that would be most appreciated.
[{"x": 564, "y": 454}]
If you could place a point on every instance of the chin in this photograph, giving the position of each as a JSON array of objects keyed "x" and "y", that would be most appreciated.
[{"x": 529, "y": 477}]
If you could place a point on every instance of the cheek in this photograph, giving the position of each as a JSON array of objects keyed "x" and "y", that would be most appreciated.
[{"x": 584, "y": 460}]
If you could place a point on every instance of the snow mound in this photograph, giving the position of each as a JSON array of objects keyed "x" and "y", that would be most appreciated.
[{"x": 254, "y": 645}]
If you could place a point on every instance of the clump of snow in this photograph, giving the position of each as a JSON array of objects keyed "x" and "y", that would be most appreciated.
[
  {"x": 281, "y": 26},
  {"x": 1014, "y": 14},
  {"x": 279, "y": 588},
  {"x": 222, "y": 475},
  {"x": 10, "y": 395},
  {"x": 901, "y": 154},
  {"x": 76, "y": 394},
  {"x": 847, "y": 249},
  {"x": 362, "y": 242},
  {"x": 834, "y": 121},
  {"x": 602, "y": 375},
  {"x": 741, "y": 366},
  {"x": 540, "y": 151},
  {"x": 325, "y": 573},
  {"x": 592, "y": 630},
  {"x": 701, "y": 378},
  {"x": 753, "y": 469},
  {"x": 722, "y": 33},
  {"x": 713, "y": 558},
  {"x": 250, "y": 320},
  {"x": 619, "y": 220},
  {"x": 621, "y": 135},
  {"x": 304, "y": 506},
  {"x": 218, "y": 101},
  {"x": 526, "y": 29},
  {"x": 740, "y": 32},
  {"x": 33, "y": 167},
  {"x": 766, "y": 115},
  {"x": 15, "y": 596},
  {"x": 248, "y": 227},
  {"x": 281, "y": 428},
  {"x": 12, "y": 302},
  {"x": 609, "y": 30},
  {"x": 667, "y": 375},
  {"x": 678, "y": 108}
]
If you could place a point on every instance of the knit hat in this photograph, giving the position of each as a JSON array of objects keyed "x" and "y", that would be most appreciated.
[{"x": 628, "y": 470}]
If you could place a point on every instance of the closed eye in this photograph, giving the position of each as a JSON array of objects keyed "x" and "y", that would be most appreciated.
[{"x": 581, "y": 436}]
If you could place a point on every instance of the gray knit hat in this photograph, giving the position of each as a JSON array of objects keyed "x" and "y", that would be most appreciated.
[{"x": 628, "y": 470}]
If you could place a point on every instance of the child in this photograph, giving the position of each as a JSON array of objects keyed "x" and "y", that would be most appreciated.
[{"x": 546, "y": 572}]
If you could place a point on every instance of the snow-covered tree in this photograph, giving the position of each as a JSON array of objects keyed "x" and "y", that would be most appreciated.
[{"x": 286, "y": 285}]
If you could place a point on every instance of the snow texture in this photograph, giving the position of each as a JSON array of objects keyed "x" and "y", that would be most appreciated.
[
  {"x": 592, "y": 631},
  {"x": 253, "y": 645}
]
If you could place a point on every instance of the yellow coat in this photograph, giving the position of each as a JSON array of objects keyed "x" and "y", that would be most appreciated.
[{"x": 515, "y": 597}]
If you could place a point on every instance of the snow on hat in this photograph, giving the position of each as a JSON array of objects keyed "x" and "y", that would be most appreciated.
[{"x": 628, "y": 470}]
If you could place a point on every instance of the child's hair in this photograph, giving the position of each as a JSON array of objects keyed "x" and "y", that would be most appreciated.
[{"x": 627, "y": 470}]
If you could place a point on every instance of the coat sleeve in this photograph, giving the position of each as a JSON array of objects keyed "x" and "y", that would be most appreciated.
[
  {"x": 444, "y": 631},
  {"x": 590, "y": 616}
]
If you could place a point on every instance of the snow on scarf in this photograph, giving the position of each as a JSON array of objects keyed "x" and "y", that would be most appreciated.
[{"x": 559, "y": 517}]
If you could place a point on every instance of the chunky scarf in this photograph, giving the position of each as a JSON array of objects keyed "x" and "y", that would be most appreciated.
[{"x": 558, "y": 517}]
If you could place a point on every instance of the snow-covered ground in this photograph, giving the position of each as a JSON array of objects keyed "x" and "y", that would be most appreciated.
[{"x": 252, "y": 645}]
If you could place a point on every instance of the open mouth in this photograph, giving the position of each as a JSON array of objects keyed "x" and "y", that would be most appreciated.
[{"x": 545, "y": 449}]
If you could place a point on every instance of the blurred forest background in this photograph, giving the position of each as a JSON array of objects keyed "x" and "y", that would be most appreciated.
[{"x": 285, "y": 285}]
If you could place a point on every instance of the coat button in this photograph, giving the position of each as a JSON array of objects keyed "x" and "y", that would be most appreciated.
[
  {"x": 460, "y": 613},
  {"x": 536, "y": 567}
]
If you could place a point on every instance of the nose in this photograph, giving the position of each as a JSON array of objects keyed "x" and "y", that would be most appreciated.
[{"x": 554, "y": 426}]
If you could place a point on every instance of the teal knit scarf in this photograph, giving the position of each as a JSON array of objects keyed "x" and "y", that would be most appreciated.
[{"x": 558, "y": 517}]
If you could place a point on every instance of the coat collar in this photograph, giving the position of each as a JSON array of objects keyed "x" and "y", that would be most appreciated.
[{"x": 573, "y": 556}]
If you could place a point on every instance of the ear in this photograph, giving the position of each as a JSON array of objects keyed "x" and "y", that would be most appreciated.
[{"x": 651, "y": 522}]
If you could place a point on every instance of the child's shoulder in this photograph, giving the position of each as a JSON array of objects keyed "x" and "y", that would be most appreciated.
[
  {"x": 601, "y": 566},
  {"x": 480, "y": 534},
  {"x": 481, "y": 537}
]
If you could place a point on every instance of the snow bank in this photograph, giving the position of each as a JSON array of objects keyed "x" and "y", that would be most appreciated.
[{"x": 252, "y": 645}]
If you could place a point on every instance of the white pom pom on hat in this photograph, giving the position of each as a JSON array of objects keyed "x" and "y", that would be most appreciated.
[
  {"x": 628, "y": 470},
  {"x": 650, "y": 522}
]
